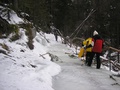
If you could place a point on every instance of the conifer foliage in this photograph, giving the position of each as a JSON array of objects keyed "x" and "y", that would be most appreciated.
[{"x": 67, "y": 15}]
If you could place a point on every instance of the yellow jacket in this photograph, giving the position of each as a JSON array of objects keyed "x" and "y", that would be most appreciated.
[{"x": 86, "y": 43}]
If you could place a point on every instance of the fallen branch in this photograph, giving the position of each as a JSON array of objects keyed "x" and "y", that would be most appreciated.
[
  {"x": 115, "y": 65},
  {"x": 116, "y": 83},
  {"x": 42, "y": 55},
  {"x": 81, "y": 25},
  {"x": 34, "y": 66},
  {"x": 112, "y": 78},
  {"x": 3, "y": 52}
]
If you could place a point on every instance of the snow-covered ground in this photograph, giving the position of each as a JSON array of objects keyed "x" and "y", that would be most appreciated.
[
  {"x": 75, "y": 76},
  {"x": 25, "y": 69},
  {"x": 22, "y": 68}
]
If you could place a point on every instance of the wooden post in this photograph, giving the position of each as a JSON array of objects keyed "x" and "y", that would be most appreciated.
[
  {"x": 118, "y": 58},
  {"x": 109, "y": 59}
]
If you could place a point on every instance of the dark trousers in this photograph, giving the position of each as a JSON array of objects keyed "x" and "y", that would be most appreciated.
[
  {"x": 97, "y": 59},
  {"x": 88, "y": 55}
]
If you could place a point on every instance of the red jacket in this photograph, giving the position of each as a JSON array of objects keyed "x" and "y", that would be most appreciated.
[{"x": 98, "y": 45}]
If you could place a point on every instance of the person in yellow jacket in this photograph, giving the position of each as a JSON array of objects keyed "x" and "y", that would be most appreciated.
[{"x": 86, "y": 49}]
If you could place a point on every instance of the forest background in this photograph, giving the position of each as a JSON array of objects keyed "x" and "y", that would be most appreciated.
[{"x": 67, "y": 16}]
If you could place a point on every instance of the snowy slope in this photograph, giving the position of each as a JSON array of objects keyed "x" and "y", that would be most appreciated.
[
  {"x": 25, "y": 69},
  {"x": 22, "y": 68}
]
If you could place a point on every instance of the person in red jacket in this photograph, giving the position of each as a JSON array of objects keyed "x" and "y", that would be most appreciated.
[{"x": 97, "y": 44}]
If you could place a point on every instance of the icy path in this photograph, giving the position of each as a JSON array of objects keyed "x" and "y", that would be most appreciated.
[{"x": 76, "y": 77}]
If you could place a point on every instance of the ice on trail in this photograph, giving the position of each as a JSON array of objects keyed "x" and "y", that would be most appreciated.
[{"x": 75, "y": 76}]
